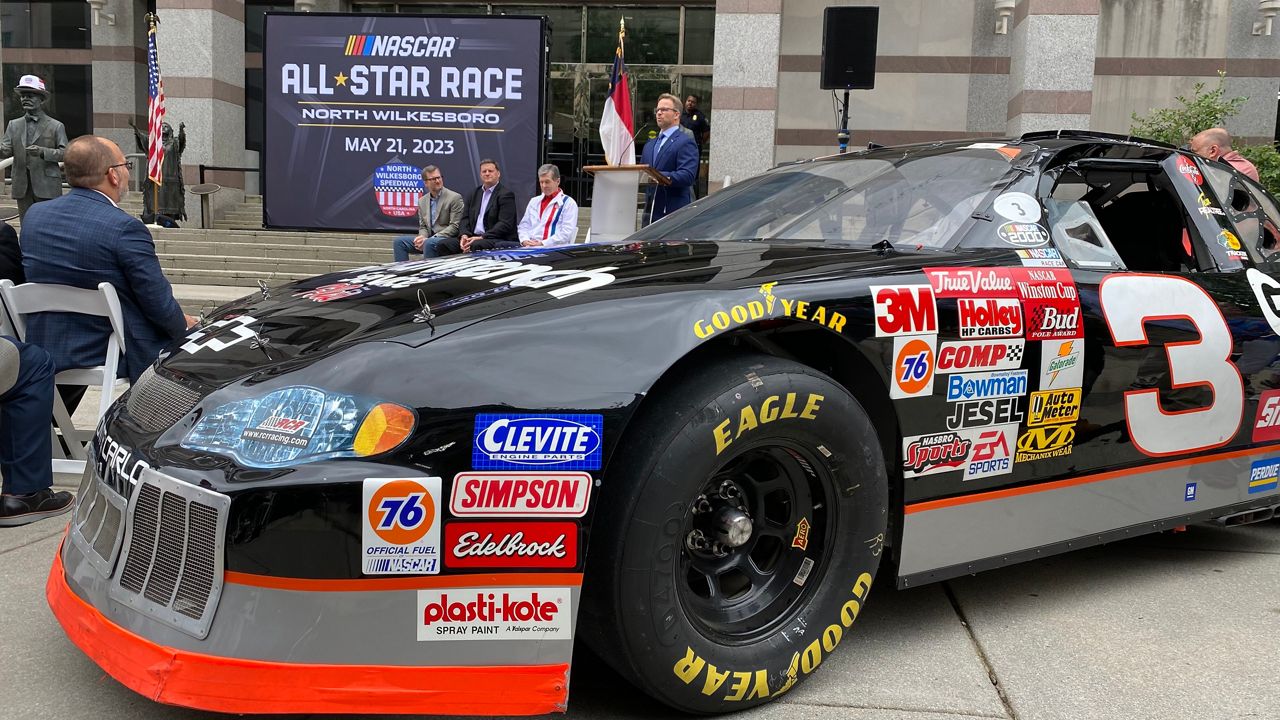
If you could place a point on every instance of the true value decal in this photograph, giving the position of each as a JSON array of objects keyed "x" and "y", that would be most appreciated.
[
  {"x": 548, "y": 441},
  {"x": 523, "y": 613},
  {"x": 401, "y": 526}
]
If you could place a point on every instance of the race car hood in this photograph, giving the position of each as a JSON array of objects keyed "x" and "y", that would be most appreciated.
[{"x": 412, "y": 303}]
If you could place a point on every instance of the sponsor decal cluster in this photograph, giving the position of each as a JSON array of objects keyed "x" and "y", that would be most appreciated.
[
  {"x": 401, "y": 526},
  {"x": 1266, "y": 425},
  {"x": 1050, "y": 302},
  {"x": 523, "y": 613},
  {"x": 769, "y": 306},
  {"x": 978, "y": 451},
  {"x": 1046, "y": 441},
  {"x": 783, "y": 406},
  {"x": 1264, "y": 475}
]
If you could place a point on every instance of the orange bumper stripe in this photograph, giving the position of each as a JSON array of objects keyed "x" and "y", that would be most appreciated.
[
  {"x": 231, "y": 685},
  {"x": 417, "y": 582}
]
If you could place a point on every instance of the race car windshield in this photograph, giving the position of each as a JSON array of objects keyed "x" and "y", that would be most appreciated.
[{"x": 919, "y": 199}]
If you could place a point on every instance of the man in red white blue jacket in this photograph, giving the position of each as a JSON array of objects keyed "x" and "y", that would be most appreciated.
[{"x": 552, "y": 217}]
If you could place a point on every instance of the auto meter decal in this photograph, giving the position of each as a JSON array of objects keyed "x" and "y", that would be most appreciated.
[
  {"x": 904, "y": 310},
  {"x": 1187, "y": 169},
  {"x": 489, "y": 613},
  {"x": 511, "y": 544},
  {"x": 1264, "y": 475},
  {"x": 1061, "y": 364},
  {"x": 989, "y": 317},
  {"x": 401, "y": 526},
  {"x": 914, "y": 361},
  {"x": 1266, "y": 425},
  {"x": 520, "y": 494},
  {"x": 1054, "y": 406},
  {"x": 1023, "y": 235},
  {"x": 971, "y": 282},
  {"x": 549, "y": 442},
  {"x": 1050, "y": 303},
  {"x": 969, "y": 355}
]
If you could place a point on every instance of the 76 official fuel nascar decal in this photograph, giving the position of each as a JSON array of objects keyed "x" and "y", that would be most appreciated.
[{"x": 401, "y": 526}]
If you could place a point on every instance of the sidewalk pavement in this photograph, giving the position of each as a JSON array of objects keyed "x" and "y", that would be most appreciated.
[{"x": 1171, "y": 626}]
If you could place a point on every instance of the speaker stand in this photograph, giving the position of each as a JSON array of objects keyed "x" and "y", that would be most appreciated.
[{"x": 842, "y": 135}]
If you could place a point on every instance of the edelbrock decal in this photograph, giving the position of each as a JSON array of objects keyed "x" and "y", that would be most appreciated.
[{"x": 547, "y": 441}]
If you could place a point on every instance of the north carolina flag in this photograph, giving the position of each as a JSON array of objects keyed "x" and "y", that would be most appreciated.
[{"x": 616, "y": 127}]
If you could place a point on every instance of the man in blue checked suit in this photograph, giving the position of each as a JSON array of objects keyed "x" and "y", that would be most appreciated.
[
  {"x": 83, "y": 238},
  {"x": 675, "y": 155}
]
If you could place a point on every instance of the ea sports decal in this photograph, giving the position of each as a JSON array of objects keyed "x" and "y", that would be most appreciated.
[
  {"x": 489, "y": 613},
  {"x": 971, "y": 282},
  {"x": 401, "y": 526},
  {"x": 1061, "y": 364},
  {"x": 989, "y": 317},
  {"x": 520, "y": 494},
  {"x": 1267, "y": 291},
  {"x": 547, "y": 442},
  {"x": 904, "y": 310},
  {"x": 969, "y": 355},
  {"x": 1018, "y": 206},
  {"x": 1187, "y": 169},
  {"x": 1023, "y": 235},
  {"x": 1266, "y": 425},
  {"x": 993, "y": 452},
  {"x": 914, "y": 361}
]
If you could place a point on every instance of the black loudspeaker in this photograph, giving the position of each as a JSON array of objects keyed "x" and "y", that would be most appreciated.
[{"x": 849, "y": 48}]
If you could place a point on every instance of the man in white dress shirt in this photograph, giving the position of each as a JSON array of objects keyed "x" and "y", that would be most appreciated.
[{"x": 550, "y": 218}]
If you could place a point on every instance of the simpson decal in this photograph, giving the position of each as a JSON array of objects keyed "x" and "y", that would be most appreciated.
[
  {"x": 979, "y": 355},
  {"x": 520, "y": 494},
  {"x": 1023, "y": 235},
  {"x": 539, "y": 613},
  {"x": 1054, "y": 406},
  {"x": 401, "y": 526},
  {"x": 905, "y": 310},
  {"x": 1061, "y": 364},
  {"x": 1266, "y": 426},
  {"x": 549, "y": 442},
  {"x": 1264, "y": 475},
  {"x": 971, "y": 282},
  {"x": 989, "y": 317},
  {"x": 986, "y": 385},
  {"x": 913, "y": 366}
]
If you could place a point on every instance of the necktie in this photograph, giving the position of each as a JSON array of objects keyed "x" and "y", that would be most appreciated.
[
  {"x": 433, "y": 212},
  {"x": 661, "y": 142}
]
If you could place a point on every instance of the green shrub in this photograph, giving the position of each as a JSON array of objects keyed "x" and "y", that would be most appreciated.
[
  {"x": 1267, "y": 161},
  {"x": 1203, "y": 111}
]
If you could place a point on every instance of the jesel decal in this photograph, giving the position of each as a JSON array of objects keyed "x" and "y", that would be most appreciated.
[
  {"x": 774, "y": 407},
  {"x": 769, "y": 306},
  {"x": 754, "y": 684}
]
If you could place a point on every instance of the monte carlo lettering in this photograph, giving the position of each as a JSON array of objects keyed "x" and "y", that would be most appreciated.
[{"x": 551, "y": 442}]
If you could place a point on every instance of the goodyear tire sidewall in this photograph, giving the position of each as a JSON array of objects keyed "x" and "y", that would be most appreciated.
[{"x": 681, "y": 664}]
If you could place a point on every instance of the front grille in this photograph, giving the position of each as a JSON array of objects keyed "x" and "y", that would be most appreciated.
[
  {"x": 171, "y": 567},
  {"x": 96, "y": 526},
  {"x": 157, "y": 403}
]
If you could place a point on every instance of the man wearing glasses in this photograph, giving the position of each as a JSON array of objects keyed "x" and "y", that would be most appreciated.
[
  {"x": 84, "y": 238},
  {"x": 439, "y": 216},
  {"x": 675, "y": 155}
]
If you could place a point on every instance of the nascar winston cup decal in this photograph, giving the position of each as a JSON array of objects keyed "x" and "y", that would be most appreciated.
[
  {"x": 527, "y": 442},
  {"x": 495, "y": 614},
  {"x": 401, "y": 533}
]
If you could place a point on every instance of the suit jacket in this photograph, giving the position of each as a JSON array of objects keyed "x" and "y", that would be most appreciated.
[
  {"x": 43, "y": 172},
  {"x": 10, "y": 255},
  {"x": 449, "y": 212},
  {"x": 679, "y": 162},
  {"x": 499, "y": 218},
  {"x": 81, "y": 239}
]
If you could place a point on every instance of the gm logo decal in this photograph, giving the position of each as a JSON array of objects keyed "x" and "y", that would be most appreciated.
[{"x": 546, "y": 442}]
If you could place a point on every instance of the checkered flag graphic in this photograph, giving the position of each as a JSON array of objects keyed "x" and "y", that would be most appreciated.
[{"x": 1015, "y": 352}]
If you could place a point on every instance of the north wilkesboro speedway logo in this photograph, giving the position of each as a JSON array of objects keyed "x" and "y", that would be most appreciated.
[{"x": 542, "y": 442}]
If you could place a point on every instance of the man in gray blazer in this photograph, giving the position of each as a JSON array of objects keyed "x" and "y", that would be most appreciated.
[
  {"x": 440, "y": 213},
  {"x": 36, "y": 142}
]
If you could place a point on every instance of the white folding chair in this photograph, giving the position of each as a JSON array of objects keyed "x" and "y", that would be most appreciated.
[{"x": 22, "y": 300}]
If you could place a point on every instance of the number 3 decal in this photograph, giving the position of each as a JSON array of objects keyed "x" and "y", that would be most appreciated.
[{"x": 1127, "y": 304}]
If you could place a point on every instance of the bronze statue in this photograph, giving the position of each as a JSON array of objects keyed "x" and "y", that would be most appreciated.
[
  {"x": 41, "y": 142},
  {"x": 173, "y": 194}
]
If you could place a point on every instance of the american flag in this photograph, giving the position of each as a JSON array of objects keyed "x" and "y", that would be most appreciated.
[{"x": 155, "y": 105}]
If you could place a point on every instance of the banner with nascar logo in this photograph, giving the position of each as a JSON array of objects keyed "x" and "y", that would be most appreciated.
[{"x": 356, "y": 105}]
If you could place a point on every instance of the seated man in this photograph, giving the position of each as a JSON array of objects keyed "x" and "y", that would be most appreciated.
[
  {"x": 84, "y": 238},
  {"x": 439, "y": 216},
  {"x": 490, "y": 219},
  {"x": 26, "y": 447},
  {"x": 550, "y": 218}
]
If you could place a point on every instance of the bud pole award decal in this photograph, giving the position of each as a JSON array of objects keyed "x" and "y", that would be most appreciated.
[{"x": 401, "y": 526}]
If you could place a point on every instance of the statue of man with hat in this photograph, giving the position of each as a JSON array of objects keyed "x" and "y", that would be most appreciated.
[{"x": 36, "y": 142}]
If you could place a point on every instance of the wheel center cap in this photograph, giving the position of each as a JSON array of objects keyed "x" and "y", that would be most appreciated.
[{"x": 733, "y": 526}]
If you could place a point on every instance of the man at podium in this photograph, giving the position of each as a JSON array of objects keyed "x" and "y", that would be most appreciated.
[{"x": 673, "y": 154}]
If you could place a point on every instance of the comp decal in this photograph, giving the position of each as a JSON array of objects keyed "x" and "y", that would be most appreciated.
[
  {"x": 1264, "y": 475},
  {"x": 904, "y": 310},
  {"x": 737, "y": 685},
  {"x": 1050, "y": 302},
  {"x": 549, "y": 442},
  {"x": 401, "y": 526},
  {"x": 1023, "y": 235},
  {"x": 1054, "y": 406},
  {"x": 511, "y": 544},
  {"x": 914, "y": 362},
  {"x": 971, "y": 282},
  {"x": 1049, "y": 441},
  {"x": 774, "y": 407},
  {"x": 968, "y": 355},
  {"x": 989, "y": 317},
  {"x": 1061, "y": 364},
  {"x": 1267, "y": 292},
  {"x": 1266, "y": 426},
  {"x": 986, "y": 385},
  {"x": 768, "y": 306},
  {"x": 523, "y": 613},
  {"x": 520, "y": 494}
]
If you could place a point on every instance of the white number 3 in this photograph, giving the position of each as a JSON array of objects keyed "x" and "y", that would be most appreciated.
[{"x": 1130, "y": 301}]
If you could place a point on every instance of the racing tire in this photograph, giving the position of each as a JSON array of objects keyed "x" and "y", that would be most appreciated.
[{"x": 701, "y": 609}]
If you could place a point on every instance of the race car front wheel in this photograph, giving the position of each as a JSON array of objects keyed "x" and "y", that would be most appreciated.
[{"x": 741, "y": 528}]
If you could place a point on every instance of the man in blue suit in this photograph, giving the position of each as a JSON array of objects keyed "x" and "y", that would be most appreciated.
[
  {"x": 83, "y": 238},
  {"x": 673, "y": 154}
]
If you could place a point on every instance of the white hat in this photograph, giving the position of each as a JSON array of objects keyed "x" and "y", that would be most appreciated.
[{"x": 31, "y": 82}]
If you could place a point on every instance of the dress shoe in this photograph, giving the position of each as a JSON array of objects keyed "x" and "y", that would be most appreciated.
[{"x": 18, "y": 510}]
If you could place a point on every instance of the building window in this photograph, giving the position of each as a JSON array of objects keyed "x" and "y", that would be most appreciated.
[
  {"x": 653, "y": 35},
  {"x": 44, "y": 24},
  {"x": 699, "y": 35},
  {"x": 566, "y": 28}
]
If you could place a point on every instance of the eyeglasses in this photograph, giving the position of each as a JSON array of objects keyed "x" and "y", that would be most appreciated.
[
  {"x": 438, "y": 178},
  {"x": 126, "y": 164},
  {"x": 658, "y": 110}
]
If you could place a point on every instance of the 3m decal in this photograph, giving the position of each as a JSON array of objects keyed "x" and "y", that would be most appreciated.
[
  {"x": 549, "y": 442},
  {"x": 1187, "y": 169},
  {"x": 1041, "y": 257},
  {"x": 739, "y": 685},
  {"x": 511, "y": 544},
  {"x": 520, "y": 494},
  {"x": 1054, "y": 406},
  {"x": 986, "y": 385},
  {"x": 1023, "y": 235},
  {"x": 914, "y": 361},
  {"x": 989, "y": 317},
  {"x": 904, "y": 310},
  {"x": 935, "y": 453},
  {"x": 993, "y": 449},
  {"x": 1061, "y": 364},
  {"x": 1017, "y": 206},
  {"x": 401, "y": 527},
  {"x": 1048, "y": 441},
  {"x": 979, "y": 413},
  {"x": 1267, "y": 292},
  {"x": 971, "y": 282},
  {"x": 1264, "y": 475},
  {"x": 1127, "y": 306},
  {"x": 801, "y": 539},
  {"x": 221, "y": 334},
  {"x": 980, "y": 355},
  {"x": 769, "y": 306},
  {"x": 495, "y": 614},
  {"x": 773, "y": 407}
]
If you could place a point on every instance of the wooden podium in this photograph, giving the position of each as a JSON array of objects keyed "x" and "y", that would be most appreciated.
[{"x": 613, "y": 198}]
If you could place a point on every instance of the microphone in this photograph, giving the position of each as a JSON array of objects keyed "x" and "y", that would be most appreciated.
[{"x": 632, "y": 143}]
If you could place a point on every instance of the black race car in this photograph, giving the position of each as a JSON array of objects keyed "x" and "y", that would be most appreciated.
[{"x": 412, "y": 487}]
